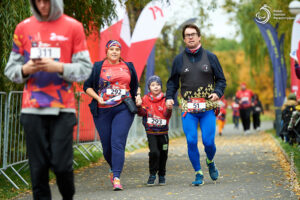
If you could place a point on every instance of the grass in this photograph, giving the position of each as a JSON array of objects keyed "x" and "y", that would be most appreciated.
[
  {"x": 7, "y": 190},
  {"x": 289, "y": 150}
]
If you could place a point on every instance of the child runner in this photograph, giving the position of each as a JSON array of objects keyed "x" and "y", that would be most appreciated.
[{"x": 155, "y": 119}]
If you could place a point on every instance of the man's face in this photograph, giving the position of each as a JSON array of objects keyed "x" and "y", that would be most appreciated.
[
  {"x": 44, "y": 7},
  {"x": 191, "y": 38},
  {"x": 243, "y": 87}
]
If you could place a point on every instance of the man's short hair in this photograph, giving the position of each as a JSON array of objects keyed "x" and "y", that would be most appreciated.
[{"x": 191, "y": 26}]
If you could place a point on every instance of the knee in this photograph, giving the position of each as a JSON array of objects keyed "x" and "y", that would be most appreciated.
[
  {"x": 209, "y": 144},
  {"x": 192, "y": 143},
  {"x": 154, "y": 154}
]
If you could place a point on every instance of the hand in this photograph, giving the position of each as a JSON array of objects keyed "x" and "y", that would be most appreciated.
[
  {"x": 49, "y": 65},
  {"x": 29, "y": 68},
  {"x": 100, "y": 100},
  {"x": 169, "y": 104},
  {"x": 138, "y": 100},
  {"x": 213, "y": 97}
]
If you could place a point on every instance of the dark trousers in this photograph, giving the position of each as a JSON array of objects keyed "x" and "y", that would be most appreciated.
[
  {"x": 245, "y": 117},
  {"x": 113, "y": 125},
  {"x": 158, "y": 155},
  {"x": 256, "y": 119},
  {"x": 49, "y": 142},
  {"x": 235, "y": 120}
]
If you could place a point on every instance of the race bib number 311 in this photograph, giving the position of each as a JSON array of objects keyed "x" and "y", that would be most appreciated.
[{"x": 44, "y": 52}]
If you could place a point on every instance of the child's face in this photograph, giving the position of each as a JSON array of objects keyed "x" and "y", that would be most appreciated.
[{"x": 155, "y": 88}]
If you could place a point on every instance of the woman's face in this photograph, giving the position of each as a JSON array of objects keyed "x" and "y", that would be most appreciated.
[{"x": 114, "y": 54}]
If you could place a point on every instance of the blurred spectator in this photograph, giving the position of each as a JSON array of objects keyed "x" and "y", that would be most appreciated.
[
  {"x": 221, "y": 118},
  {"x": 235, "y": 113},
  {"x": 287, "y": 110},
  {"x": 257, "y": 109}
]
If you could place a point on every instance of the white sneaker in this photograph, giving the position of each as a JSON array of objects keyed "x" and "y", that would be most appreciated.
[{"x": 247, "y": 132}]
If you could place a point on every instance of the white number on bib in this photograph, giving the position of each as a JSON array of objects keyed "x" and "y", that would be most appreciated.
[
  {"x": 44, "y": 52},
  {"x": 245, "y": 99},
  {"x": 155, "y": 121},
  {"x": 196, "y": 105},
  {"x": 115, "y": 92}
]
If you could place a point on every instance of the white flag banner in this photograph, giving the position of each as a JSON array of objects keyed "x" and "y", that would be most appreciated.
[
  {"x": 295, "y": 37},
  {"x": 146, "y": 31}
]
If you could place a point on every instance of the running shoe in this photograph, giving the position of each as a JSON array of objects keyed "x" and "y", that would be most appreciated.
[
  {"x": 161, "y": 180},
  {"x": 151, "y": 180},
  {"x": 117, "y": 184},
  {"x": 198, "y": 179},
  {"x": 213, "y": 171}
]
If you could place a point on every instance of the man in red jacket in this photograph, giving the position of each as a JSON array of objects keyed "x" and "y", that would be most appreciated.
[{"x": 244, "y": 99}]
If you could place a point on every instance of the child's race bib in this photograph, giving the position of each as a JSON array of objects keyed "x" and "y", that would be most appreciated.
[{"x": 156, "y": 121}]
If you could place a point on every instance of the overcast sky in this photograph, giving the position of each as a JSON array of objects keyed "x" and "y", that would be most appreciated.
[{"x": 182, "y": 10}]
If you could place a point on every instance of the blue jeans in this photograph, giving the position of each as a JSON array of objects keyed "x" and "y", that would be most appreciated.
[
  {"x": 207, "y": 122},
  {"x": 113, "y": 125}
]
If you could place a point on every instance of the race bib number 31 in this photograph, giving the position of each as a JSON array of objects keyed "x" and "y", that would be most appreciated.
[
  {"x": 44, "y": 52},
  {"x": 156, "y": 122}
]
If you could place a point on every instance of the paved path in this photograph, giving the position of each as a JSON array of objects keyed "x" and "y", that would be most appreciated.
[{"x": 248, "y": 165}]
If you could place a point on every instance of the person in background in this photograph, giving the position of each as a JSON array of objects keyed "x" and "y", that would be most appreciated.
[
  {"x": 49, "y": 53},
  {"x": 112, "y": 82},
  {"x": 221, "y": 118},
  {"x": 156, "y": 116},
  {"x": 257, "y": 110},
  {"x": 244, "y": 98},
  {"x": 287, "y": 110},
  {"x": 235, "y": 113}
]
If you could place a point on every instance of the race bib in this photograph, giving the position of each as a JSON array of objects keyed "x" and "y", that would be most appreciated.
[
  {"x": 116, "y": 92},
  {"x": 245, "y": 99},
  {"x": 196, "y": 105},
  {"x": 156, "y": 122},
  {"x": 45, "y": 52}
]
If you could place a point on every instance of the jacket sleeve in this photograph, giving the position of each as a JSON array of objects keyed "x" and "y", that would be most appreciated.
[
  {"x": 13, "y": 69},
  {"x": 134, "y": 83},
  {"x": 173, "y": 82},
  {"x": 220, "y": 81},
  {"x": 80, "y": 68},
  {"x": 89, "y": 83}
]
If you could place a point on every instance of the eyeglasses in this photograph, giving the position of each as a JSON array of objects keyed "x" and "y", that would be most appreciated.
[{"x": 190, "y": 35}]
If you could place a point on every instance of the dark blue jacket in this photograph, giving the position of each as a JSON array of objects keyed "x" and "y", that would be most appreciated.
[
  {"x": 219, "y": 78},
  {"x": 93, "y": 82}
]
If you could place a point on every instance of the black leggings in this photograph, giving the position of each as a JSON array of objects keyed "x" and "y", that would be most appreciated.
[
  {"x": 245, "y": 117},
  {"x": 158, "y": 155}
]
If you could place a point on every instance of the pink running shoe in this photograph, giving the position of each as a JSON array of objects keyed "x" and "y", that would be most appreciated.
[{"x": 117, "y": 184}]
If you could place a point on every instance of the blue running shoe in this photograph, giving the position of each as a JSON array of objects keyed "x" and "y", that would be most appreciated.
[
  {"x": 198, "y": 180},
  {"x": 213, "y": 171},
  {"x": 151, "y": 180},
  {"x": 161, "y": 180}
]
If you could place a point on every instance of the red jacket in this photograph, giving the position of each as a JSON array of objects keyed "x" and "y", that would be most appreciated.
[{"x": 155, "y": 114}]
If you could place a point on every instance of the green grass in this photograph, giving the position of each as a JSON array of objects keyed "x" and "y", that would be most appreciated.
[
  {"x": 289, "y": 150},
  {"x": 7, "y": 190}
]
